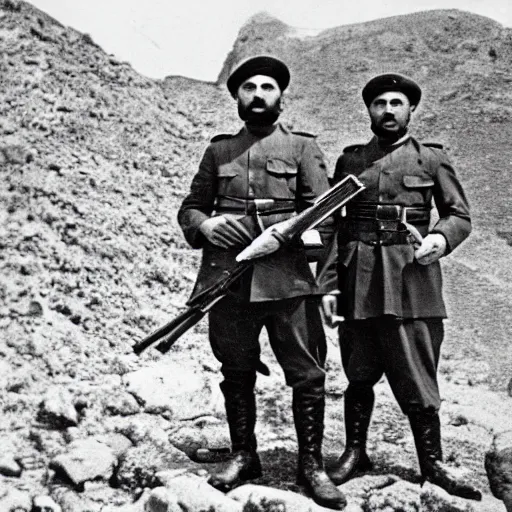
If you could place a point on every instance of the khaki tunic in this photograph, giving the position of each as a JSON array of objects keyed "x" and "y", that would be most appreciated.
[
  {"x": 281, "y": 165},
  {"x": 380, "y": 280}
]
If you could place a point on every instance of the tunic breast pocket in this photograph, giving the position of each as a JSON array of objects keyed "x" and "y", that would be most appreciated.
[
  {"x": 282, "y": 177},
  {"x": 227, "y": 182},
  {"x": 419, "y": 188}
]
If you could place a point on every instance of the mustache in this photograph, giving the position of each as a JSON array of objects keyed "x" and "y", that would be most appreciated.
[
  {"x": 257, "y": 103},
  {"x": 388, "y": 117}
]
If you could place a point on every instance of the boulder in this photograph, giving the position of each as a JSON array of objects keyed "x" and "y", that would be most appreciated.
[
  {"x": 58, "y": 409},
  {"x": 15, "y": 500},
  {"x": 259, "y": 498},
  {"x": 139, "y": 465},
  {"x": 45, "y": 504},
  {"x": 498, "y": 465},
  {"x": 174, "y": 389},
  {"x": 9, "y": 466},
  {"x": 194, "y": 493},
  {"x": 85, "y": 460}
]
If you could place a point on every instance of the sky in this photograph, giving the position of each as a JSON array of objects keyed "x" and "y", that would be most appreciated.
[{"x": 192, "y": 37}]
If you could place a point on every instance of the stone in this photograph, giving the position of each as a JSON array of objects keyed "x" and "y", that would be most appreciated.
[
  {"x": 118, "y": 443},
  {"x": 194, "y": 493},
  {"x": 401, "y": 495},
  {"x": 139, "y": 465},
  {"x": 85, "y": 460},
  {"x": 259, "y": 498},
  {"x": 9, "y": 466},
  {"x": 15, "y": 500},
  {"x": 162, "y": 500},
  {"x": 57, "y": 408},
  {"x": 174, "y": 389},
  {"x": 122, "y": 404},
  {"x": 435, "y": 499},
  {"x": 498, "y": 466},
  {"x": 45, "y": 504}
]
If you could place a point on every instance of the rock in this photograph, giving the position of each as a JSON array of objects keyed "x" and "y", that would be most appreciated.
[
  {"x": 58, "y": 408},
  {"x": 9, "y": 466},
  {"x": 122, "y": 404},
  {"x": 435, "y": 499},
  {"x": 118, "y": 443},
  {"x": 71, "y": 501},
  {"x": 174, "y": 389},
  {"x": 140, "y": 464},
  {"x": 401, "y": 495},
  {"x": 85, "y": 460},
  {"x": 194, "y": 493},
  {"x": 259, "y": 498},
  {"x": 162, "y": 500},
  {"x": 498, "y": 465},
  {"x": 45, "y": 504},
  {"x": 15, "y": 500}
]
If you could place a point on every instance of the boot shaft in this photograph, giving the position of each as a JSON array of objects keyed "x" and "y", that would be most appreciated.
[
  {"x": 308, "y": 414},
  {"x": 358, "y": 406},
  {"x": 240, "y": 404},
  {"x": 426, "y": 430}
]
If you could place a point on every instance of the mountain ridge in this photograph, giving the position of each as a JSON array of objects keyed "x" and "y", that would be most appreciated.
[{"x": 94, "y": 162}]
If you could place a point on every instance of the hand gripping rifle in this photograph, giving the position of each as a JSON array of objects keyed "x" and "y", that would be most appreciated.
[{"x": 266, "y": 243}]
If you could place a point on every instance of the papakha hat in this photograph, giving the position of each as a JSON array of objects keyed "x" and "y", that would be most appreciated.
[
  {"x": 258, "y": 65},
  {"x": 391, "y": 82}
]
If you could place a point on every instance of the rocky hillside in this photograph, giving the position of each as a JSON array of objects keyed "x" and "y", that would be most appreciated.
[{"x": 94, "y": 160}]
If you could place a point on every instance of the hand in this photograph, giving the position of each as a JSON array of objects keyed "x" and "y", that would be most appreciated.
[
  {"x": 330, "y": 309},
  {"x": 431, "y": 249},
  {"x": 225, "y": 232}
]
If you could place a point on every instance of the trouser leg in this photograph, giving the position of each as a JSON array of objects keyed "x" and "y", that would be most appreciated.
[
  {"x": 426, "y": 429},
  {"x": 288, "y": 323},
  {"x": 412, "y": 350},
  {"x": 234, "y": 340}
]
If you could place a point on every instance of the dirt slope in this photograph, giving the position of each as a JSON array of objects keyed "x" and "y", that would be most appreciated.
[{"x": 94, "y": 160}]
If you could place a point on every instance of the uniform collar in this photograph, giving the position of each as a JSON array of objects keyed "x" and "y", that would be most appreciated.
[{"x": 264, "y": 130}]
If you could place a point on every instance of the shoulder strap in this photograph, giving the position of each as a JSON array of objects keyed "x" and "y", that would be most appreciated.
[{"x": 221, "y": 136}]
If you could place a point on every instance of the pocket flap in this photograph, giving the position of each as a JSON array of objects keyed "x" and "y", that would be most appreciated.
[
  {"x": 418, "y": 181},
  {"x": 278, "y": 166},
  {"x": 226, "y": 173}
]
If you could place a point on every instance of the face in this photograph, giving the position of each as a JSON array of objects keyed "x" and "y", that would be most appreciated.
[
  {"x": 259, "y": 100},
  {"x": 390, "y": 113}
]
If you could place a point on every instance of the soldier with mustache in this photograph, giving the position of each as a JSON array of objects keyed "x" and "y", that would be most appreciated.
[
  {"x": 246, "y": 182},
  {"x": 390, "y": 286}
]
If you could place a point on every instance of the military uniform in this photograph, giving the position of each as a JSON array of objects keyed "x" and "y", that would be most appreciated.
[
  {"x": 379, "y": 276},
  {"x": 261, "y": 178}
]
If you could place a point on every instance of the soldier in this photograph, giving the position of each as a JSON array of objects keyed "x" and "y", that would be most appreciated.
[
  {"x": 390, "y": 287},
  {"x": 245, "y": 183}
]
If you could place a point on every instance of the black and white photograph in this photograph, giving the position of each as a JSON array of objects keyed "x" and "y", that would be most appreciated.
[{"x": 256, "y": 256}]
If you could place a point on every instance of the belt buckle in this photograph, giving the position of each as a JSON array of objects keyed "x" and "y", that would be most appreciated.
[
  {"x": 263, "y": 205},
  {"x": 389, "y": 212}
]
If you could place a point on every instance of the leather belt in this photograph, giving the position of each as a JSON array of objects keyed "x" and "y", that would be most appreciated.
[
  {"x": 382, "y": 224},
  {"x": 251, "y": 206},
  {"x": 353, "y": 232},
  {"x": 388, "y": 212}
]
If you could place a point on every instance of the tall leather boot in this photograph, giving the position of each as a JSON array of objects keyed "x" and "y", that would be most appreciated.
[
  {"x": 244, "y": 462},
  {"x": 308, "y": 414},
  {"x": 359, "y": 402},
  {"x": 426, "y": 429}
]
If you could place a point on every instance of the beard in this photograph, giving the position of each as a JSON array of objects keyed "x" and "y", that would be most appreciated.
[{"x": 266, "y": 118}]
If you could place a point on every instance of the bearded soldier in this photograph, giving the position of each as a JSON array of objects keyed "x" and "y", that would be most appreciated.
[
  {"x": 390, "y": 286},
  {"x": 246, "y": 182}
]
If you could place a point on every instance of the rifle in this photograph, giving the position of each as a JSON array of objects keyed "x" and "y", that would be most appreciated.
[{"x": 266, "y": 243}]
